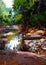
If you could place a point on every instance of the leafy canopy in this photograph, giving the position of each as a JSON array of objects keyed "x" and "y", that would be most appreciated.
[
  {"x": 32, "y": 9},
  {"x": 23, "y": 3}
]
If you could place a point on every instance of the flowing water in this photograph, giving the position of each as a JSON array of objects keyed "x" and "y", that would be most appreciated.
[{"x": 12, "y": 44}]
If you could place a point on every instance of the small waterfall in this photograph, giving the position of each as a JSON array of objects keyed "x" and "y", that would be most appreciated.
[{"x": 12, "y": 44}]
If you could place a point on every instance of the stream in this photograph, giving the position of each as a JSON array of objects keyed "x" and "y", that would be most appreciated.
[{"x": 13, "y": 43}]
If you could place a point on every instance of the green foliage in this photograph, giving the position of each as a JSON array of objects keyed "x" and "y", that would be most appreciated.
[
  {"x": 32, "y": 10},
  {"x": 34, "y": 18},
  {"x": 42, "y": 16},
  {"x": 5, "y": 15},
  {"x": 23, "y": 3},
  {"x": 24, "y": 10},
  {"x": 18, "y": 17},
  {"x": 23, "y": 6}
]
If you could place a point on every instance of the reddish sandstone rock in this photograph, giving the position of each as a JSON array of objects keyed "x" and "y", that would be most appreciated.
[{"x": 21, "y": 58}]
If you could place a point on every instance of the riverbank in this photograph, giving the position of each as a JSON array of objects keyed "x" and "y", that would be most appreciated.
[{"x": 21, "y": 58}]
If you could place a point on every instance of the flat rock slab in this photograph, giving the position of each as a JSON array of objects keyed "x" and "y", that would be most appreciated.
[
  {"x": 20, "y": 58},
  {"x": 32, "y": 38}
]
